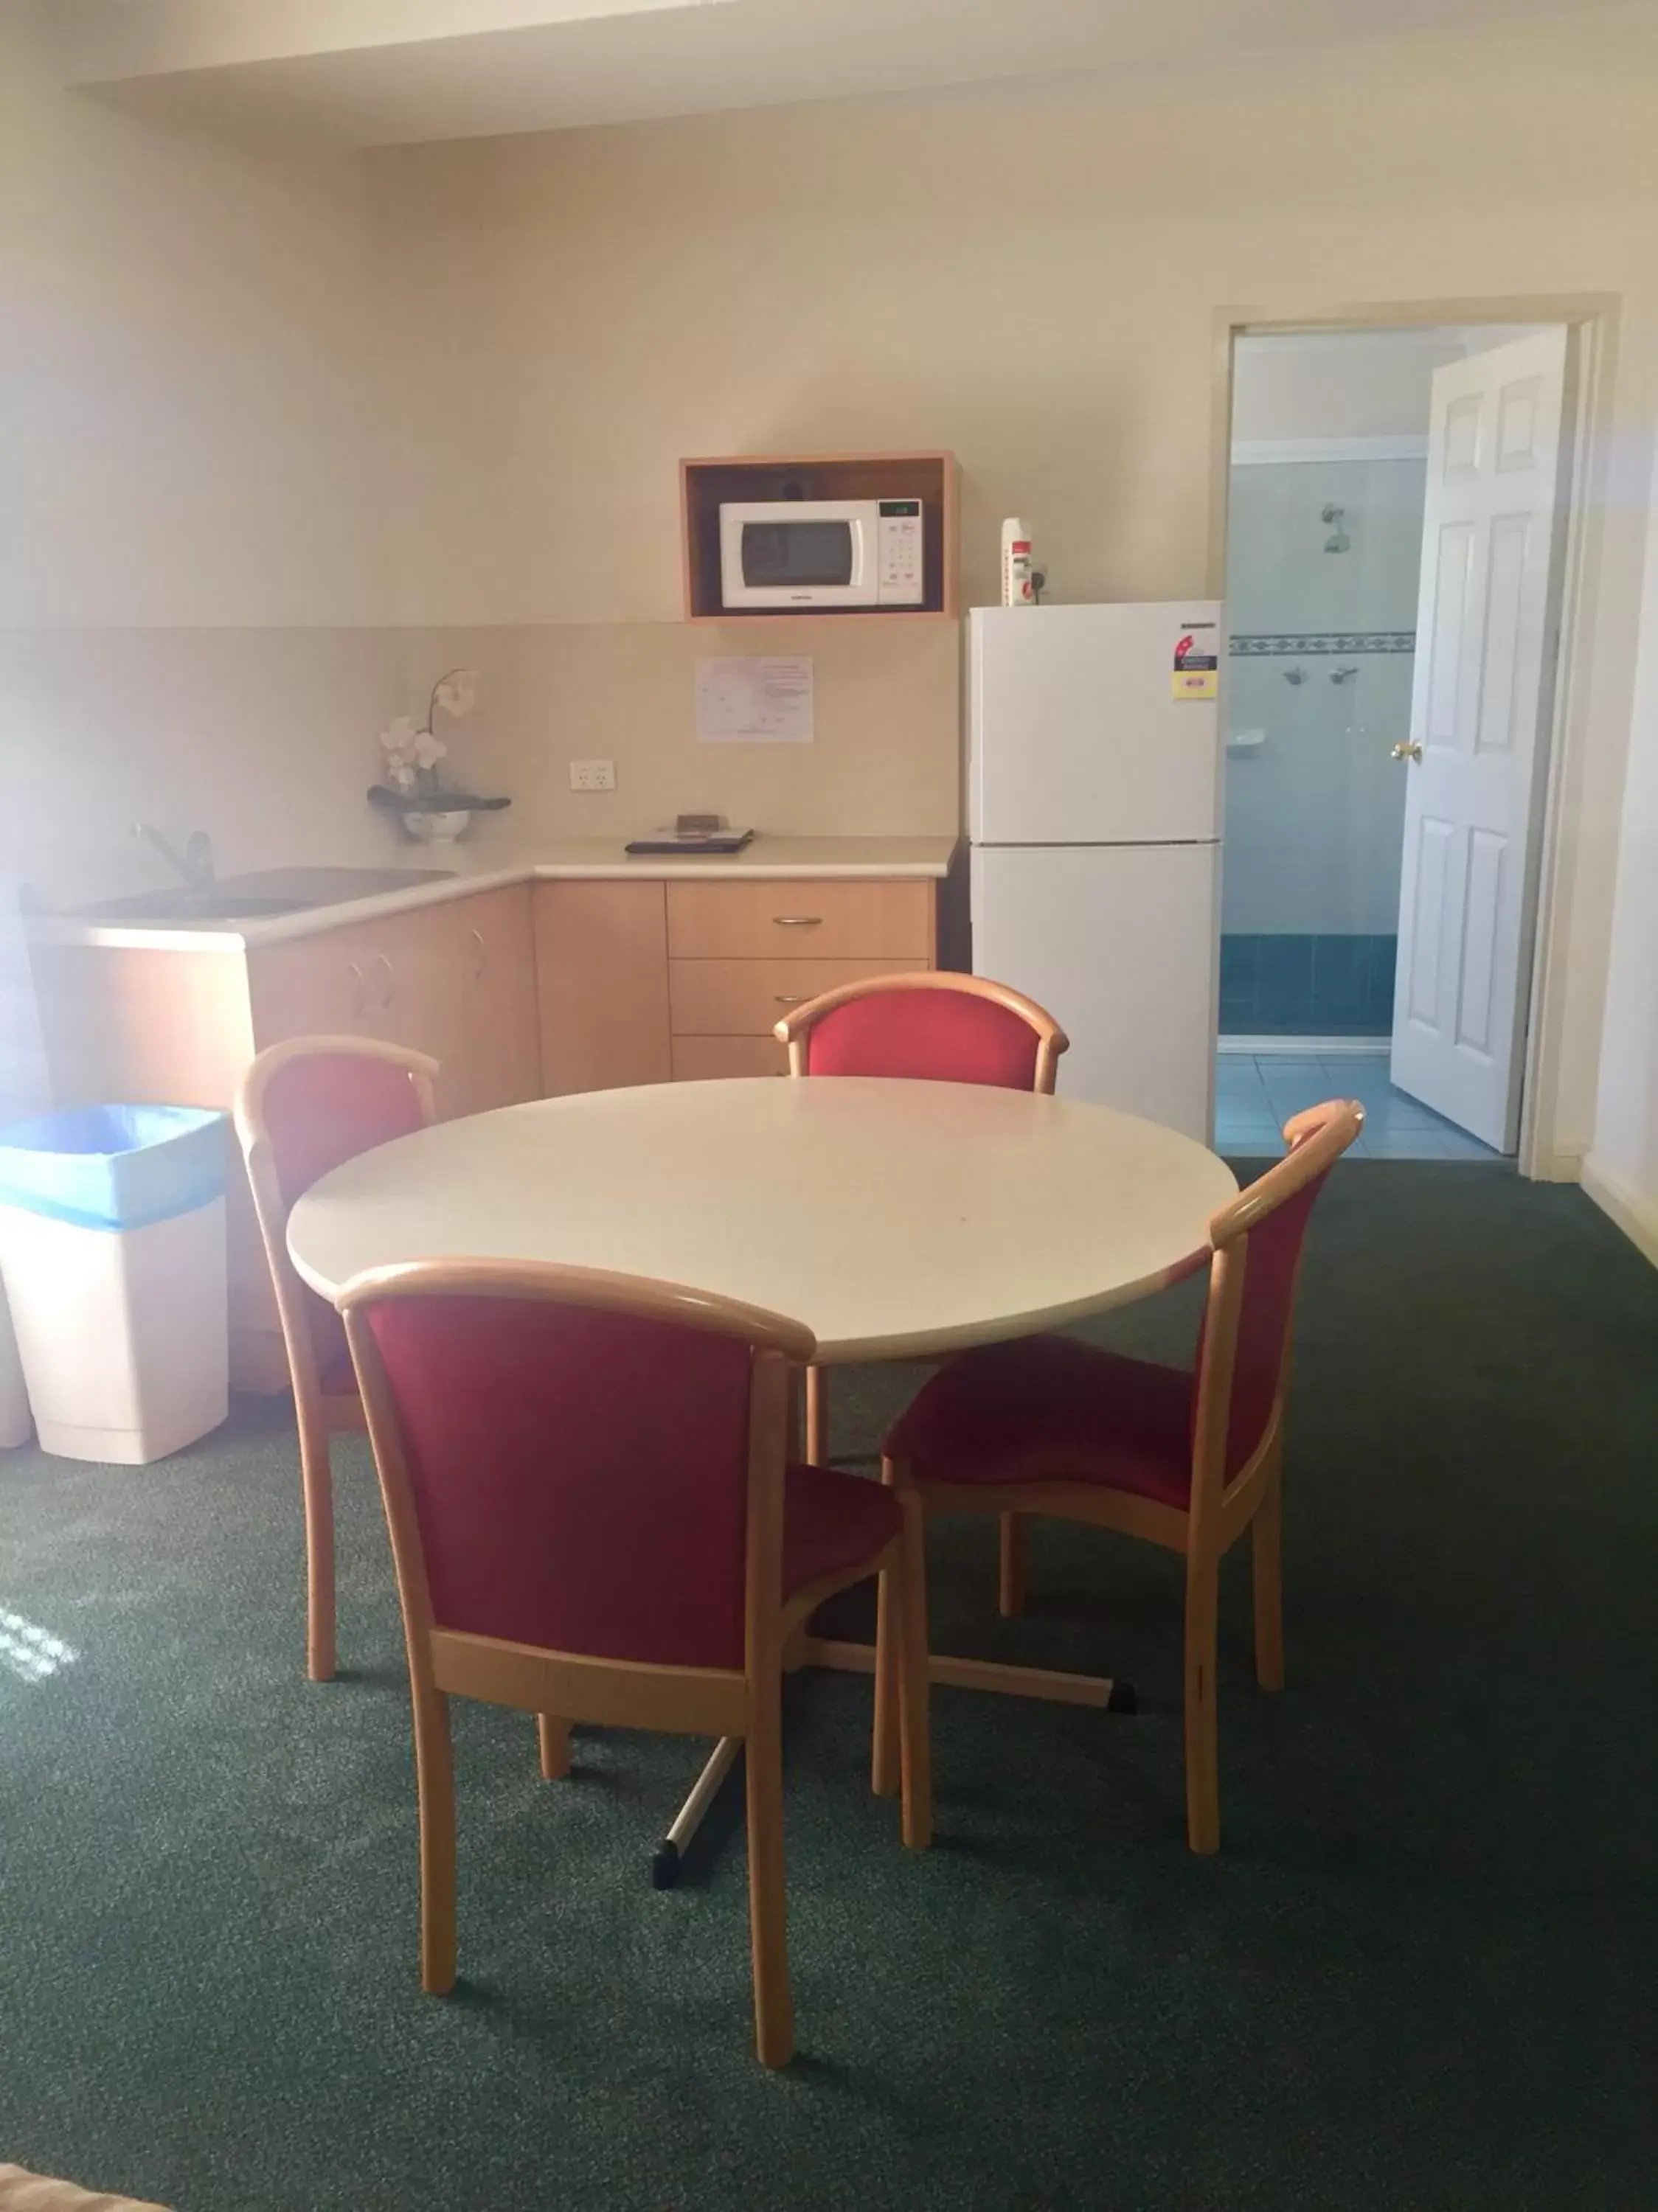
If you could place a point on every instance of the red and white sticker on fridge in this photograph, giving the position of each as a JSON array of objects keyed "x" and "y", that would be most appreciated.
[{"x": 1196, "y": 661}]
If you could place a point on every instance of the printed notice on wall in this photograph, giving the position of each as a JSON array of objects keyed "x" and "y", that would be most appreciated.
[{"x": 754, "y": 699}]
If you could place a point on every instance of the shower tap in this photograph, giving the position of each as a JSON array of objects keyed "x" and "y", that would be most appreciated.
[
  {"x": 1337, "y": 541},
  {"x": 1343, "y": 675},
  {"x": 1296, "y": 675}
]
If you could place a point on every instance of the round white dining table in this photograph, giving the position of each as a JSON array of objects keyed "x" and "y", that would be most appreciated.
[{"x": 896, "y": 1219}]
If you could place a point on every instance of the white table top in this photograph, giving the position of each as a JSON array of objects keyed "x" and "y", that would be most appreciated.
[{"x": 895, "y": 1219}]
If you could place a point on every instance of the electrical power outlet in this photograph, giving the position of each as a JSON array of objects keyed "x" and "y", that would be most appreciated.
[{"x": 593, "y": 775}]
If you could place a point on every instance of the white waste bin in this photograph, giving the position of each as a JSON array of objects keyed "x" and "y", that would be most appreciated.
[{"x": 112, "y": 1250}]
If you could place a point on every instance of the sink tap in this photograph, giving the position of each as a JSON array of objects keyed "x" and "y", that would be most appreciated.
[{"x": 194, "y": 865}]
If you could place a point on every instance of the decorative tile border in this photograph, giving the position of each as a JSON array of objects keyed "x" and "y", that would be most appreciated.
[{"x": 1308, "y": 642}]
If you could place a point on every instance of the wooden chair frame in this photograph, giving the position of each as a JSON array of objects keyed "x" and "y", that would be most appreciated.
[
  {"x": 1219, "y": 1511},
  {"x": 744, "y": 1702},
  {"x": 321, "y": 1415},
  {"x": 794, "y": 1031}
]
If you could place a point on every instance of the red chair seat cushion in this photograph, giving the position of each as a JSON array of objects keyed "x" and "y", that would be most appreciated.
[
  {"x": 1049, "y": 1409},
  {"x": 831, "y": 1521}
]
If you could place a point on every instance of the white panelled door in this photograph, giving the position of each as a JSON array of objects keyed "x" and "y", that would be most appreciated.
[{"x": 1487, "y": 631}]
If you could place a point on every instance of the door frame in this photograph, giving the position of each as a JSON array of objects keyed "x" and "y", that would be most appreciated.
[{"x": 1591, "y": 318}]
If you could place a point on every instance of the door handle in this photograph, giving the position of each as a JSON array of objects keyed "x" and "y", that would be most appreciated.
[
  {"x": 798, "y": 921},
  {"x": 1406, "y": 749},
  {"x": 381, "y": 961}
]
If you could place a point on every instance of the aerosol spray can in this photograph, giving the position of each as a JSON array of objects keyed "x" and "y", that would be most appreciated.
[{"x": 1017, "y": 588}]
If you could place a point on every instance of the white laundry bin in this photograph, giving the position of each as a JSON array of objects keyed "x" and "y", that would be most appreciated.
[{"x": 112, "y": 1251}]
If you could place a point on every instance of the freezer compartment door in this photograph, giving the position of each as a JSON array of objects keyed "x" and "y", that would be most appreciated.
[
  {"x": 1120, "y": 946},
  {"x": 1076, "y": 735}
]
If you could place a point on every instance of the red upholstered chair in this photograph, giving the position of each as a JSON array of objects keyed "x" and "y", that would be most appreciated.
[
  {"x": 302, "y": 1108},
  {"x": 934, "y": 1027},
  {"x": 1188, "y": 1459},
  {"x": 590, "y": 1514}
]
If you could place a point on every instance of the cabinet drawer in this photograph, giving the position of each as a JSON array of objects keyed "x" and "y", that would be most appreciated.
[
  {"x": 746, "y": 998},
  {"x": 831, "y": 920},
  {"x": 706, "y": 1059}
]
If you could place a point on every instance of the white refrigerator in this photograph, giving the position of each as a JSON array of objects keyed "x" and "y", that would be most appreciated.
[{"x": 1095, "y": 792}]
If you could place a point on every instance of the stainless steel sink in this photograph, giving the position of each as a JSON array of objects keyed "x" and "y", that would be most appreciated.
[{"x": 265, "y": 892}]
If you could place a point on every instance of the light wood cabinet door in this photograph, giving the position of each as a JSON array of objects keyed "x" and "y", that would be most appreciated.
[
  {"x": 413, "y": 968},
  {"x": 602, "y": 980},
  {"x": 499, "y": 1061},
  {"x": 822, "y": 920},
  {"x": 312, "y": 986}
]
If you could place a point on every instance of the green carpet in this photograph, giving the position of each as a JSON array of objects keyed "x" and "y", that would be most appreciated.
[{"x": 1420, "y": 1974}]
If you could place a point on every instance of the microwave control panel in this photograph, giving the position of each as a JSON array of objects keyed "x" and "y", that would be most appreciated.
[{"x": 898, "y": 564}]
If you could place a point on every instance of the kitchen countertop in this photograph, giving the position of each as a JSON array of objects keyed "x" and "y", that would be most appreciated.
[{"x": 488, "y": 868}]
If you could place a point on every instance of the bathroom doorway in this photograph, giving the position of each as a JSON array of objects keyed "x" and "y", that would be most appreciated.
[{"x": 1369, "y": 617}]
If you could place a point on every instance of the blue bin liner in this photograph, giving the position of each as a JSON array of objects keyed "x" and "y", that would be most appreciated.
[{"x": 114, "y": 1167}]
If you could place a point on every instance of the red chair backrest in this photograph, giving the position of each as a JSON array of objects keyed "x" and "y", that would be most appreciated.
[
  {"x": 930, "y": 1036},
  {"x": 1273, "y": 1255},
  {"x": 580, "y": 1477},
  {"x": 320, "y": 1110}
]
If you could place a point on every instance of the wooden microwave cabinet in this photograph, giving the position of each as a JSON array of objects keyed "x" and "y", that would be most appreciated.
[{"x": 524, "y": 991}]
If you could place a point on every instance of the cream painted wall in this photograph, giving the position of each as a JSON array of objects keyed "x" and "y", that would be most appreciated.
[
  {"x": 1622, "y": 1170},
  {"x": 186, "y": 410},
  {"x": 190, "y": 497},
  {"x": 1029, "y": 278}
]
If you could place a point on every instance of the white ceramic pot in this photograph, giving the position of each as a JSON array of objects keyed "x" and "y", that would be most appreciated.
[{"x": 436, "y": 827}]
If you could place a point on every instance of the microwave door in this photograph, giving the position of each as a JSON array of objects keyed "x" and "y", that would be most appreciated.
[
  {"x": 803, "y": 553},
  {"x": 805, "y": 556}
]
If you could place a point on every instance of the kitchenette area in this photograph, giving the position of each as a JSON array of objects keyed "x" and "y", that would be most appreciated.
[{"x": 527, "y": 973}]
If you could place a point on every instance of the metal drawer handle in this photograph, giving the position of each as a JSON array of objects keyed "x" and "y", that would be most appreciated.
[
  {"x": 381, "y": 961},
  {"x": 797, "y": 921},
  {"x": 477, "y": 936},
  {"x": 360, "y": 995},
  {"x": 791, "y": 998}
]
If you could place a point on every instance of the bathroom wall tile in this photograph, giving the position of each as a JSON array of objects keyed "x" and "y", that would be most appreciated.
[
  {"x": 1284, "y": 984},
  {"x": 1341, "y": 970},
  {"x": 1240, "y": 963},
  {"x": 1379, "y": 983}
]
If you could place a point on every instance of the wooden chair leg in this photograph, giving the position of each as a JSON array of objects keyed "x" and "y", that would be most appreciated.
[
  {"x": 1014, "y": 1557},
  {"x": 553, "y": 1736},
  {"x": 1266, "y": 1560},
  {"x": 914, "y": 1719},
  {"x": 817, "y": 1417},
  {"x": 435, "y": 1780},
  {"x": 1202, "y": 1787},
  {"x": 885, "y": 1749},
  {"x": 768, "y": 1916},
  {"x": 317, "y": 1491}
]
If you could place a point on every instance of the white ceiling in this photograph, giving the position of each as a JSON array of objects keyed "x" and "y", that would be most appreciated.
[{"x": 384, "y": 72}]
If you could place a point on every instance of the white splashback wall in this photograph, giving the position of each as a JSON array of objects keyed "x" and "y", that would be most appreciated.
[{"x": 1314, "y": 813}]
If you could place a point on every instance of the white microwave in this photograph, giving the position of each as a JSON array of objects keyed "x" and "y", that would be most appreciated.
[{"x": 821, "y": 553}]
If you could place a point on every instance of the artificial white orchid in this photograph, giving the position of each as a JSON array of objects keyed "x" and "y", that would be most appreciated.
[
  {"x": 412, "y": 754},
  {"x": 456, "y": 693}
]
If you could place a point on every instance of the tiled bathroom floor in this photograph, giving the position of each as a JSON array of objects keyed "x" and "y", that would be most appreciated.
[{"x": 1256, "y": 1093}]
